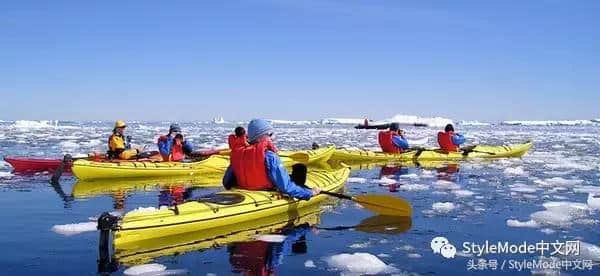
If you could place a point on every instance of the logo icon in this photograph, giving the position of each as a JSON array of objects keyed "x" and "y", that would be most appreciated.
[
  {"x": 448, "y": 251},
  {"x": 441, "y": 245}
]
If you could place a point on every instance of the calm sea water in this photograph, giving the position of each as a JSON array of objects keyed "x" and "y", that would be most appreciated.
[{"x": 548, "y": 195}]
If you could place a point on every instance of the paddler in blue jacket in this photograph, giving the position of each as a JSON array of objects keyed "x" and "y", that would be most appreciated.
[
  {"x": 167, "y": 144},
  {"x": 257, "y": 166},
  {"x": 393, "y": 141}
]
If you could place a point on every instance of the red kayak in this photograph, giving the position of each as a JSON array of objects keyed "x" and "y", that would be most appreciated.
[{"x": 29, "y": 165}]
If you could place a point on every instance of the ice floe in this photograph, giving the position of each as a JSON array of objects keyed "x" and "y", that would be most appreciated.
[
  {"x": 463, "y": 193},
  {"x": 356, "y": 180},
  {"x": 75, "y": 228},
  {"x": 270, "y": 238},
  {"x": 359, "y": 264},
  {"x": 516, "y": 223},
  {"x": 413, "y": 187},
  {"x": 309, "y": 264},
  {"x": 446, "y": 185},
  {"x": 518, "y": 171},
  {"x": 144, "y": 269},
  {"x": 443, "y": 207}
]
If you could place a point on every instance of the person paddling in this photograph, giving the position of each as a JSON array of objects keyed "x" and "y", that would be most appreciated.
[
  {"x": 257, "y": 166},
  {"x": 449, "y": 140},
  {"x": 239, "y": 138},
  {"x": 392, "y": 140},
  {"x": 119, "y": 147},
  {"x": 173, "y": 147}
]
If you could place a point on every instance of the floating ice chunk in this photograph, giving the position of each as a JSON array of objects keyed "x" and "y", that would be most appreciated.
[
  {"x": 383, "y": 255},
  {"x": 558, "y": 182},
  {"x": 384, "y": 181},
  {"x": 75, "y": 228},
  {"x": 522, "y": 188},
  {"x": 144, "y": 269},
  {"x": 560, "y": 213},
  {"x": 6, "y": 174},
  {"x": 463, "y": 193},
  {"x": 548, "y": 231},
  {"x": 406, "y": 248},
  {"x": 588, "y": 189},
  {"x": 145, "y": 209},
  {"x": 356, "y": 180},
  {"x": 414, "y": 187},
  {"x": 359, "y": 245},
  {"x": 593, "y": 201},
  {"x": 527, "y": 224},
  {"x": 514, "y": 171},
  {"x": 310, "y": 264},
  {"x": 446, "y": 185},
  {"x": 359, "y": 264},
  {"x": 414, "y": 256},
  {"x": 412, "y": 175},
  {"x": 270, "y": 238},
  {"x": 588, "y": 251},
  {"x": 443, "y": 207}
]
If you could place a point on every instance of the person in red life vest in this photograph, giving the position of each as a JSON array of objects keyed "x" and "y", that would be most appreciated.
[
  {"x": 257, "y": 166},
  {"x": 239, "y": 138},
  {"x": 449, "y": 140},
  {"x": 168, "y": 147},
  {"x": 392, "y": 140}
]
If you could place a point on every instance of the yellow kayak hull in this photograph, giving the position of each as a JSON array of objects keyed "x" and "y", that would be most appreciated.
[
  {"x": 90, "y": 170},
  {"x": 194, "y": 216},
  {"x": 481, "y": 151},
  {"x": 146, "y": 250}
]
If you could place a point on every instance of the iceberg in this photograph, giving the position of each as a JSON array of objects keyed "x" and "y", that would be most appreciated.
[
  {"x": 420, "y": 121},
  {"x": 550, "y": 123},
  {"x": 473, "y": 123}
]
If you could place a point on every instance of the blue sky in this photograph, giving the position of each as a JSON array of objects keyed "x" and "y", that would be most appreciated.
[{"x": 289, "y": 59}]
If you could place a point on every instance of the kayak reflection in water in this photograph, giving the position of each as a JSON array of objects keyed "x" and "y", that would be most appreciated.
[
  {"x": 395, "y": 171},
  {"x": 262, "y": 257},
  {"x": 449, "y": 172},
  {"x": 172, "y": 196}
]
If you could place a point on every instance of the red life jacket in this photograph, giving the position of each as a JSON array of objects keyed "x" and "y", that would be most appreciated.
[
  {"x": 385, "y": 141},
  {"x": 235, "y": 141},
  {"x": 248, "y": 164},
  {"x": 445, "y": 141},
  {"x": 177, "y": 153}
]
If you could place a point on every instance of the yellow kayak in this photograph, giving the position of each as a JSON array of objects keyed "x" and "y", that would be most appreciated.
[
  {"x": 89, "y": 170},
  {"x": 85, "y": 189},
  {"x": 222, "y": 209},
  {"x": 146, "y": 250},
  {"x": 480, "y": 151}
]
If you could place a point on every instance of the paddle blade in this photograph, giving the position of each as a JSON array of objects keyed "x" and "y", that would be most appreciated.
[
  {"x": 300, "y": 157},
  {"x": 384, "y": 205}
]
